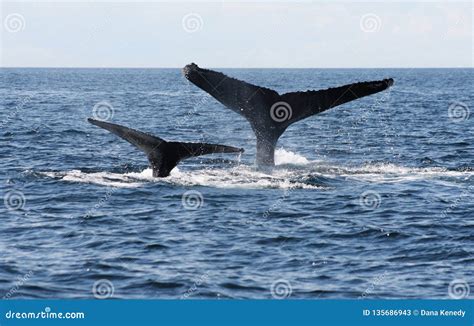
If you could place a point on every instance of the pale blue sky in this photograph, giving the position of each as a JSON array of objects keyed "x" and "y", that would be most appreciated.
[{"x": 236, "y": 34}]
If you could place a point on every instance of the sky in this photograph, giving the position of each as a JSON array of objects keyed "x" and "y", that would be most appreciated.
[{"x": 286, "y": 34}]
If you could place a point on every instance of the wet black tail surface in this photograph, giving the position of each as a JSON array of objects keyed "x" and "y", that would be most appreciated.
[
  {"x": 163, "y": 155},
  {"x": 270, "y": 113}
]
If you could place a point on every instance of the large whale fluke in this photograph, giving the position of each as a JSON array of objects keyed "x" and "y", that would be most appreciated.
[
  {"x": 270, "y": 113},
  {"x": 163, "y": 155}
]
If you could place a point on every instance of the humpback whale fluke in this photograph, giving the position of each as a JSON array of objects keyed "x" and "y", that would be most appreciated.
[
  {"x": 163, "y": 155},
  {"x": 270, "y": 113}
]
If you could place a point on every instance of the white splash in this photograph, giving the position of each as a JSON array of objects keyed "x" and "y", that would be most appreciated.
[
  {"x": 108, "y": 179},
  {"x": 291, "y": 172},
  {"x": 287, "y": 157},
  {"x": 241, "y": 176},
  {"x": 391, "y": 173}
]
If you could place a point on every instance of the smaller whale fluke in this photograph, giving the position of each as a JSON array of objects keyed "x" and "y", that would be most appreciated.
[
  {"x": 270, "y": 113},
  {"x": 163, "y": 155}
]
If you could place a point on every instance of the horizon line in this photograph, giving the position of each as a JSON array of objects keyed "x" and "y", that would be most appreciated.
[{"x": 125, "y": 67}]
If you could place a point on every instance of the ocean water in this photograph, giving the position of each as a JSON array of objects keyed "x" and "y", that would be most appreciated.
[{"x": 372, "y": 199}]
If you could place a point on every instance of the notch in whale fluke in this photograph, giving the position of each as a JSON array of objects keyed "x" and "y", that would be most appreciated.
[
  {"x": 163, "y": 155},
  {"x": 270, "y": 113}
]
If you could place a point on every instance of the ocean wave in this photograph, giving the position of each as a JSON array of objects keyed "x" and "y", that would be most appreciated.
[{"x": 293, "y": 171}]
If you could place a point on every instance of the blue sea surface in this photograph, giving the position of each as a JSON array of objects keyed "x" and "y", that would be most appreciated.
[{"x": 372, "y": 199}]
